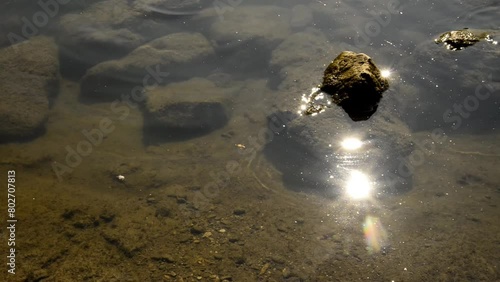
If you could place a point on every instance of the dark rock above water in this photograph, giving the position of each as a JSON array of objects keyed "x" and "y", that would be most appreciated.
[
  {"x": 27, "y": 84},
  {"x": 353, "y": 82}
]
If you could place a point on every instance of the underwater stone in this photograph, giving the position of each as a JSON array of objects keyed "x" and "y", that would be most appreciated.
[
  {"x": 27, "y": 86},
  {"x": 174, "y": 57},
  {"x": 187, "y": 108}
]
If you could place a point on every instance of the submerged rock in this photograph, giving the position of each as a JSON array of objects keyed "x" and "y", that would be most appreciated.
[
  {"x": 27, "y": 84},
  {"x": 185, "y": 109},
  {"x": 243, "y": 39},
  {"x": 297, "y": 60},
  {"x": 174, "y": 57},
  {"x": 108, "y": 30},
  {"x": 83, "y": 46},
  {"x": 460, "y": 39},
  {"x": 170, "y": 7}
]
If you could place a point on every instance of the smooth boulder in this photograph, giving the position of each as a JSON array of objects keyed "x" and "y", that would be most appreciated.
[
  {"x": 108, "y": 30},
  {"x": 296, "y": 62},
  {"x": 171, "y": 58},
  {"x": 243, "y": 39},
  {"x": 28, "y": 81},
  {"x": 185, "y": 109}
]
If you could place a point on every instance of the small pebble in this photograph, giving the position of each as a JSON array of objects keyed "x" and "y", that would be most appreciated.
[
  {"x": 222, "y": 230},
  {"x": 239, "y": 211},
  {"x": 264, "y": 269},
  {"x": 196, "y": 230}
]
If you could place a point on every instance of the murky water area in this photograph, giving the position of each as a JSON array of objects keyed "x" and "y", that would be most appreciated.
[{"x": 158, "y": 140}]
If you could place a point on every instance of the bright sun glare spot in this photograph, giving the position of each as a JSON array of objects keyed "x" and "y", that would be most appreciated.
[
  {"x": 385, "y": 73},
  {"x": 358, "y": 186},
  {"x": 351, "y": 144}
]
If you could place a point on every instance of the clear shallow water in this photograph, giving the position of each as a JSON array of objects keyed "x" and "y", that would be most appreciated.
[{"x": 213, "y": 204}]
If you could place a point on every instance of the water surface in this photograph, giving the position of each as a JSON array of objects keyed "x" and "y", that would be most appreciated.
[{"x": 106, "y": 190}]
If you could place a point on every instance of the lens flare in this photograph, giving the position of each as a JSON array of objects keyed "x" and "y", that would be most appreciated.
[{"x": 375, "y": 234}]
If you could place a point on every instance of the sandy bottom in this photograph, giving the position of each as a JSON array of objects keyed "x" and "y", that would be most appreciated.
[{"x": 208, "y": 210}]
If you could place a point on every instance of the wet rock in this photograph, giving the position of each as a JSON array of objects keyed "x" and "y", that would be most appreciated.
[
  {"x": 170, "y": 58},
  {"x": 460, "y": 39},
  {"x": 465, "y": 75},
  {"x": 185, "y": 109},
  {"x": 308, "y": 150},
  {"x": 28, "y": 84},
  {"x": 354, "y": 82}
]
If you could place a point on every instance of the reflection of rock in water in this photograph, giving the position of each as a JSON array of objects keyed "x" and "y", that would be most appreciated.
[{"x": 311, "y": 158}]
